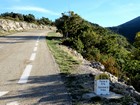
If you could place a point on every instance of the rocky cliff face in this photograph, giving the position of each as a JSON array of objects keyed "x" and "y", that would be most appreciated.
[{"x": 13, "y": 26}]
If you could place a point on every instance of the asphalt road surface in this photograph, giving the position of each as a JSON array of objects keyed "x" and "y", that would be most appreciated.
[{"x": 28, "y": 72}]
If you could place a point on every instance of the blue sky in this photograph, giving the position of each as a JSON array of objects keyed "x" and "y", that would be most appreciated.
[{"x": 103, "y": 12}]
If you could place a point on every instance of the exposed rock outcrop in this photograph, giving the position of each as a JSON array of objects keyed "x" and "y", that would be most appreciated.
[
  {"x": 94, "y": 68},
  {"x": 13, "y": 26}
]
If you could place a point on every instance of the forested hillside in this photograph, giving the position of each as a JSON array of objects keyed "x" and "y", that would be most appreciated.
[
  {"x": 128, "y": 29},
  {"x": 96, "y": 43}
]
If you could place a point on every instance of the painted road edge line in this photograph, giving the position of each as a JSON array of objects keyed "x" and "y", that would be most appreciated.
[
  {"x": 25, "y": 75},
  {"x": 3, "y": 93},
  {"x": 33, "y": 56}
]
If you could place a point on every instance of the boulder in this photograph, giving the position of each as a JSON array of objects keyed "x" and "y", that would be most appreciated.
[{"x": 98, "y": 65}]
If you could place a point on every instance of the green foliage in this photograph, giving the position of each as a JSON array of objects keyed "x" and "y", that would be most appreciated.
[
  {"x": 78, "y": 45},
  {"x": 96, "y": 43},
  {"x": 13, "y": 16},
  {"x": 137, "y": 36},
  {"x": 44, "y": 21},
  {"x": 137, "y": 40},
  {"x": 136, "y": 54},
  {"x": 91, "y": 53},
  {"x": 128, "y": 29},
  {"x": 65, "y": 61},
  {"x": 132, "y": 67},
  {"x": 28, "y": 18},
  {"x": 101, "y": 76},
  {"x": 110, "y": 64}
]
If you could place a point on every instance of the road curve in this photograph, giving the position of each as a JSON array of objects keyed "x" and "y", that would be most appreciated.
[{"x": 28, "y": 73}]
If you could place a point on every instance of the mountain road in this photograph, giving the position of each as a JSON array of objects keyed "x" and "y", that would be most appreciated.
[{"x": 28, "y": 72}]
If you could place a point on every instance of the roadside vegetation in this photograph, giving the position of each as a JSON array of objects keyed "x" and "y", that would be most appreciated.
[
  {"x": 96, "y": 43},
  {"x": 27, "y": 18},
  {"x": 64, "y": 60},
  {"x": 67, "y": 65},
  {"x": 77, "y": 84}
]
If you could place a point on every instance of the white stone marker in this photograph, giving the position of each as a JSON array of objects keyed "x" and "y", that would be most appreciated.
[{"x": 101, "y": 87}]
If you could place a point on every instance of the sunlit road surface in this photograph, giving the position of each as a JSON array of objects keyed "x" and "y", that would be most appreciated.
[{"x": 28, "y": 72}]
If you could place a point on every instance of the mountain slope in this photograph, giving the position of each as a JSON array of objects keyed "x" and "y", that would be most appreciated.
[{"x": 128, "y": 29}]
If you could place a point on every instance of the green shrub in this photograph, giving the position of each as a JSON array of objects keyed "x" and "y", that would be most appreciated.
[{"x": 101, "y": 76}]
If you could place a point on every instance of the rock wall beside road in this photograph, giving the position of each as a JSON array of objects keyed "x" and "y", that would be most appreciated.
[{"x": 7, "y": 26}]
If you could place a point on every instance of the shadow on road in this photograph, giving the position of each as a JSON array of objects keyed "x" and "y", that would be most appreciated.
[
  {"x": 54, "y": 37},
  {"x": 12, "y": 39},
  {"x": 19, "y": 39},
  {"x": 46, "y": 89}
]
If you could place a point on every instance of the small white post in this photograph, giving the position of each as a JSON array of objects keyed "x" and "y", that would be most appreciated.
[{"x": 101, "y": 86}]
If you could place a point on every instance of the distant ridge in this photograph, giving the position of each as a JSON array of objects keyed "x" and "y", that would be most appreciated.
[
  {"x": 132, "y": 23},
  {"x": 128, "y": 29}
]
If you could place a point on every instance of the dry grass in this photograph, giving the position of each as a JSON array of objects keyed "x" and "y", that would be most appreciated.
[{"x": 65, "y": 61}]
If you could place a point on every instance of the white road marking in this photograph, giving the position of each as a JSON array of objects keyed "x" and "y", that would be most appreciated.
[
  {"x": 35, "y": 49},
  {"x": 13, "y": 103},
  {"x": 25, "y": 75},
  {"x": 37, "y": 41},
  {"x": 36, "y": 44},
  {"x": 3, "y": 93},
  {"x": 33, "y": 56}
]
